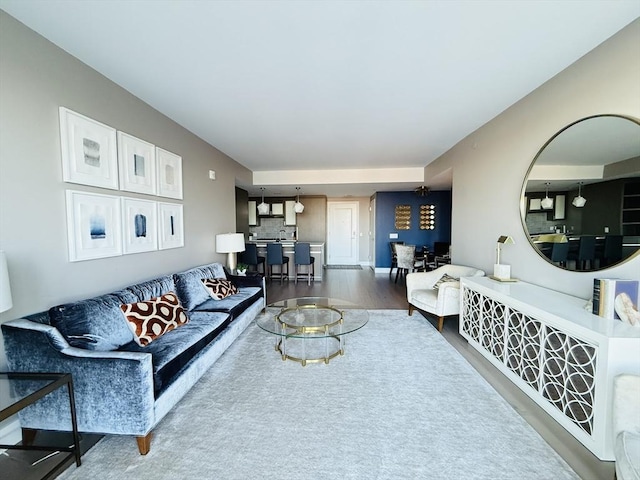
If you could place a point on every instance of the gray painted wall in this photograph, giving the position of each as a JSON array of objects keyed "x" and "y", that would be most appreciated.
[
  {"x": 36, "y": 77},
  {"x": 489, "y": 165}
]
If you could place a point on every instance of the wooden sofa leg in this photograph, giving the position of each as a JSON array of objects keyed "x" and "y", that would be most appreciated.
[
  {"x": 410, "y": 309},
  {"x": 144, "y": 443},
  {"x": 28, "y": 436},
  {"x": 440, "y": 323}
]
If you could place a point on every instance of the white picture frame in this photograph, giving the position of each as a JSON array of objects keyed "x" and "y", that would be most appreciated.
[
  {"x": 136, "y": 165},
  {"x": 89, "y": 151},
  {"x": 169, "y": 174},
  {"x": 93, "y": 226},
  {"x": 171, "y": 226},
  {"x": 139, "y": 225}
]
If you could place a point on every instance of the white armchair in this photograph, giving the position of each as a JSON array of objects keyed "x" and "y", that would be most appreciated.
[
  {"x": 443, "y": 301},
  {"x": 626, "y": 426}
]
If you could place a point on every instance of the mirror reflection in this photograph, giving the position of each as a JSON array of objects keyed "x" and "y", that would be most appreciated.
[{"x": 580, "y": 203}]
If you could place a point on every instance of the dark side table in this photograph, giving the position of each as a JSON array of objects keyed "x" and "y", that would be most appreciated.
[{"x": 20, "y": 390}]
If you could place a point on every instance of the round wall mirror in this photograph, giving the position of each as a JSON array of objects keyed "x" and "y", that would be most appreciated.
[{"x": 580, "y": 201}]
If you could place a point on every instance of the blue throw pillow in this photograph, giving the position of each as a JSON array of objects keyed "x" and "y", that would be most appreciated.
[{"x": 94, "y": 324}]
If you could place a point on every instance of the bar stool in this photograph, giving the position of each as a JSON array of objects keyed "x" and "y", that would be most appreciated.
[
  {"x": 250, "y": 257},
  {"x": 302, "y": 256},
  {"x": 276, "y": 257}
]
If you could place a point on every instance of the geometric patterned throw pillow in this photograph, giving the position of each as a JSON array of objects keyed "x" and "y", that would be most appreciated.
[
  {"x": 151, "y": 319},
  {"x": 219, "y": 288},
  {"x": 443, "y": 279}
]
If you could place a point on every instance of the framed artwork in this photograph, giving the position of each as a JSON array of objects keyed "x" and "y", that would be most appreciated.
[
  {"x": 93, "y": 226},
  {"x": 136, "y": 164},
  {"x": 171, "y": 226},
  {"x": 139, "y": 225},
  {"x": 169, "y": 174},
  {"x": 89, "y": 155}
]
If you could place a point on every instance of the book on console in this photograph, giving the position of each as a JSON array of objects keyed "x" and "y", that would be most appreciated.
[{"x": 612, "y": 295}]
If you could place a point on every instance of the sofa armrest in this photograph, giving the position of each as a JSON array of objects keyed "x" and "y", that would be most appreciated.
[
  {"x": 246, "y": 280},
  {"x": 113, "y": 389},
  {"x": 421, "y": 281}
]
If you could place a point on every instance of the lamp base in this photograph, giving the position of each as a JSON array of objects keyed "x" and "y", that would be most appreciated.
[
  {"x": 231, "y": 262},
  {"x": 502, "y": 272}
]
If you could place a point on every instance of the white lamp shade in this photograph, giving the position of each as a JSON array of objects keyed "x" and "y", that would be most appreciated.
[
  {"x": 546, "y": 203},
  {"x": 5, "y": 288},
  {"x": 229, "y": 242},
  {"x": 579, "y": 201},
  {"x": 298, "y": 207}
]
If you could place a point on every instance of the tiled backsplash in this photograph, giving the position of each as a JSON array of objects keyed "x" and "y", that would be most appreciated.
[{"x": 272, "y": 228}]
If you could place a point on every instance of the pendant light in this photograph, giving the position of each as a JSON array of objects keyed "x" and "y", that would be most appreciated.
[
  {"x": 546, "y": 202},
  {"x": 298, "y": 207},
  {"x": 263, "y": 208},
  {"x": 579, "y": 201}
]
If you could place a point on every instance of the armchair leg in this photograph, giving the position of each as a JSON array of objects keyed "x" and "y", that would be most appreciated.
[
  {"x": 410, "y": 309},
  {"x": 144, "y": 443},
  {"x": 440, "y": 323}
]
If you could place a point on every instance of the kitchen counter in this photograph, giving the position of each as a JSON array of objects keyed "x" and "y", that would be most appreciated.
[{"x": 317, "y": 251}]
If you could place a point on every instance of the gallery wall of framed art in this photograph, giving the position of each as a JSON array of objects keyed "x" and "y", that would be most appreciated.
[{"x": 103, "y": 225}]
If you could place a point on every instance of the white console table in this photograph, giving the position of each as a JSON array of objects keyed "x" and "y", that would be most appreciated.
[{"x": 554, "y": 350}]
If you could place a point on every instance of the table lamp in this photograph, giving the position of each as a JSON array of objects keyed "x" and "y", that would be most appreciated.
[
  {"x": 502, "y": 272},
  {"x": 230, "y": 243}
]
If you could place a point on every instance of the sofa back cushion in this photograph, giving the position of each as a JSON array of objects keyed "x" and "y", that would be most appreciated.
[
  {"x": 190, "y": 288},
  {"x": 157, "y": 287},
  {"x": 96, "y": 323}
]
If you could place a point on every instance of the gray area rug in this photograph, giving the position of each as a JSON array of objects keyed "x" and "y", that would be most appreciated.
[{"x": 400, "y": 404}]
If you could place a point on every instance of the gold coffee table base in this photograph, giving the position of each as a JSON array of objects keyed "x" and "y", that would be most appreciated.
[{"x": 308, "y": 328}]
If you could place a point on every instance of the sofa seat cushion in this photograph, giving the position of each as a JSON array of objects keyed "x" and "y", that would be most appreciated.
[
  {"x": 189, "y": 285},
  {"x": 425, "y": 299},
  {"x": 173, "y": 350},
  {"x": 96, "y": 323},
  {"x": 234, "y": 304}
]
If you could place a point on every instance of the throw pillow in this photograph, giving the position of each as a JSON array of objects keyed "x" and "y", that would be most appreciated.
[
  {"x": 219, "y": 288},
  {"x": 151, "y": 319},
  {"x": 444, "y": 278}
]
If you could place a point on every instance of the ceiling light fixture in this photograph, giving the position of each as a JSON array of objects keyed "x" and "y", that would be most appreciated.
[
  {"x": 546, "y": 202},
  {"x": 298, "y": 207},
  {"x": 422, "y": 191},
  {"x": 263, "y": 208},
  {"x": 579, "y": 201}
]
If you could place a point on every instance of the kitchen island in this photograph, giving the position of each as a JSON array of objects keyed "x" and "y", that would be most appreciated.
[{"x": 317, "y": 251}]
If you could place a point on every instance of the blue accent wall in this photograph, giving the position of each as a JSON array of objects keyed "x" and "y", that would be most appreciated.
[{"x": 385, "y": 222}]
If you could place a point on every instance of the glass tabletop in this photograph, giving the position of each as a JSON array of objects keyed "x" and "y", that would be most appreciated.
[
  {"x": 15, "y": 387},
  {"x": 313, "y": 317}
]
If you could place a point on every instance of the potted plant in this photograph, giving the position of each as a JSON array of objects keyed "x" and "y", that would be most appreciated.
[{"x": 242, "y": 269}]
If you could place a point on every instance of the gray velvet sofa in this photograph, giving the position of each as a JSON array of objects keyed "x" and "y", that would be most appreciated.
[{"x": 121, "y": 387}]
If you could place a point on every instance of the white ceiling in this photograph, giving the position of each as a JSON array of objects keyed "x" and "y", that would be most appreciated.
[{"x": 297, "y": 85}]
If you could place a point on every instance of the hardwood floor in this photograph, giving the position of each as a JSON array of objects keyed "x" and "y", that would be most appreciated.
[{"x": 380, "y": 291}]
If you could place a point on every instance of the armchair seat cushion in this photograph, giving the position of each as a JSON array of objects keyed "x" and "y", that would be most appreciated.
[
  {"x": 627, "y": 453},
  {"x": 173, "y": 350}
]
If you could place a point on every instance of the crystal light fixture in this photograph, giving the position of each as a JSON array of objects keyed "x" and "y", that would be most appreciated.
[
  {"x": 546, "y": 202},
  {"x": 298, "y": 207},
  {"x": 579, "y": 201}
]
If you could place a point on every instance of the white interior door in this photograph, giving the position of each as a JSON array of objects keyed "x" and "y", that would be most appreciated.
[{"x": 342, "y": 233}]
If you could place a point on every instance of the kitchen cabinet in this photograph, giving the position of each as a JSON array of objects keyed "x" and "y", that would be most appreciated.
[
  {"x": 559, "y": 207},
  {"x": 253, "y": 217},
  {"x": 289, "y": 213}
]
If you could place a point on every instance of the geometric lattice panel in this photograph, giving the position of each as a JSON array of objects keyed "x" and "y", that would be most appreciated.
[
  {"x": 471, "y": 302},
  {"x": 523, "y": 347},
  {"x": 568, "y": 377}
]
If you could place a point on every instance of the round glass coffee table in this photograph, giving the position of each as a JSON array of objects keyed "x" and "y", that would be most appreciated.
[{"x": 312, "y": 329}]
